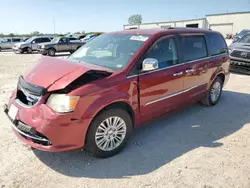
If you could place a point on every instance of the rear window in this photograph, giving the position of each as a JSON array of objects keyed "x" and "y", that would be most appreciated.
[
  {"x": 216, "y": 44},
  {"x": 194, "y": 47}
]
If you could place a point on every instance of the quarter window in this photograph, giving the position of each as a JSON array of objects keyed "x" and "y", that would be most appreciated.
[
  {"x": 216, "y": 44},
  {"x": 165, "y": 52},
  {"x": 194, "y": 47}
]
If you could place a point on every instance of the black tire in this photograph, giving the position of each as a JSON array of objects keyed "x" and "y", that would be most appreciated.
[
  {"x": 208, "y": 99},
  {"x": 29, "y": 50},
  {"x": 91, "y": 145},
  {"x": 0, "y": 49},
  {"x": 51, "y": 52}
]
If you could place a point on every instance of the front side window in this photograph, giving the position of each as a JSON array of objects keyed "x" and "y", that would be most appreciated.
[
  {"x": 112, "y": 51},
  {"x": 45, "y": 40},
  {"x": 63, "y": 41},
  {"x": 216, "y": 44},
  {"x": 245, "y": 39},
  {"x": 194, "y": 47},
  {"x": 38, "y": 40},
  {"x": 165, "y": 52}
]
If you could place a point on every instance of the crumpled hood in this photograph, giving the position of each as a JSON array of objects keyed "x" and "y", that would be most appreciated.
[{"x": 55, "y": 74}]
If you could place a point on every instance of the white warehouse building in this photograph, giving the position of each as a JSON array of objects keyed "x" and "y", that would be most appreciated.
[{"x": 227, "y": 23}]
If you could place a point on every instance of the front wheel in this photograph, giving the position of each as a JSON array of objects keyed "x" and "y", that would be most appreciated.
[
  {"x": 108, "y": 133},
  {"x": 51, "y": 52},
  {"x": 29, "y": 50},
  {"x": 214, "y": 93}
]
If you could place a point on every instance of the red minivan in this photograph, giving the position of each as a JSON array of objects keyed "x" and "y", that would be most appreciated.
[{"x": 99, "y": 94}]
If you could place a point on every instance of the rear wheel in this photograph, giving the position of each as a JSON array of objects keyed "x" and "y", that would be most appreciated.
[
  {"x": 108, "y": 133},
  {"x": 214, "y": 94},
  {"x": 0, "y": 49},
  {"x": 51, "y": 52}
]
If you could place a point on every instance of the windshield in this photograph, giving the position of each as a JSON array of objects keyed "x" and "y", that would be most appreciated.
[
  {"x": 245, "y": 39},
  {"x": 112, "y": 51},
  {"x": 243, "y": 32},
  {"x": 56, "y": 39},
  {"x": 30, "y": 39}
]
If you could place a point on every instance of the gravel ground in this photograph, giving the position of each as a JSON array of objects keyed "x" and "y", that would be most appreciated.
[{"x": 195, "y": 147}]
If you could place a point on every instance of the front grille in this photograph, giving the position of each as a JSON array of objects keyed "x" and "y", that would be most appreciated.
[
  {"x": 27, "y": 93},
  {"x": 32, "y": 134},
  {"x": 241, "y": 54}
]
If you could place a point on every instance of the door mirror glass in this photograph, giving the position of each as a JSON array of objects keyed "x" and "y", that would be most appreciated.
[{"x": 149, "y": 64}]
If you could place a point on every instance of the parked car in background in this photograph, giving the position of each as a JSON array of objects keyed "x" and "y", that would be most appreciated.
[
  {"x": 240, "y": 35},
  {"x": 30, "y": 44},
  {"x": 8, "y": 43},
  {"x": 88, "y": 38},
  {"x": 60, "y": 44},
  {"x": 240, "y": 54},
  {"x": 96, "y": 97}
]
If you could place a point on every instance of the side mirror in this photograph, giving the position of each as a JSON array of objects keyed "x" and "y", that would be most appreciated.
[{"x": 149, "y": 64}]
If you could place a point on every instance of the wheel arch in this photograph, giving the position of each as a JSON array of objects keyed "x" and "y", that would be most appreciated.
[
  {"x": 117, "y": 104},
  {"x": 52, "y": 48},
  {"x": 218, "y": 73}
]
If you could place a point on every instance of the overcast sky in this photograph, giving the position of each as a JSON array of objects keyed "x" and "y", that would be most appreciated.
[{"x": 102, "y": 15}]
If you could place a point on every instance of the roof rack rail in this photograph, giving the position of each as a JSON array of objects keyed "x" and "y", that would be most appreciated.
[{"x": 187, "y": 28}]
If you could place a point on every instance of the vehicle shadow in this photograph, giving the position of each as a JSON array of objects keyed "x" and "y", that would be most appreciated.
[{"x": 163, "y": 140}]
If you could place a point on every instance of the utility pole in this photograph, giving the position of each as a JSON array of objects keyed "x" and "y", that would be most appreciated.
[{"x": 54, "y": 23}]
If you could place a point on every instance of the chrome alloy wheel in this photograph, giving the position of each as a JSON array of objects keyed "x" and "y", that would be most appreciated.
[
  {"x": 215, "y": 91},
  {"x": 110, "y": 133}
]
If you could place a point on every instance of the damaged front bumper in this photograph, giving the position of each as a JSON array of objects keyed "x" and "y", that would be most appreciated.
[{"x": 42, "y": 128}]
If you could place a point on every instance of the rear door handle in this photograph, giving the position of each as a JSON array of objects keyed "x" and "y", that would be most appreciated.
[
  {"x": 178, "y": 74},
  {"x": 190, "y": 70}
]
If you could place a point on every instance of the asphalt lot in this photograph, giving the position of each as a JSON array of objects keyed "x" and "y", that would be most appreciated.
[{"x": 203, "y": 147}]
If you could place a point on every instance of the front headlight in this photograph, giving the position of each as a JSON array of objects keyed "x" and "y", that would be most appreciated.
[{"x": 62, "y": 103}]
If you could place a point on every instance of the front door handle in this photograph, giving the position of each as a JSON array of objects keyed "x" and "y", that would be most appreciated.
[
  {"x": 178, "y": 74},
  {"x": 190, "y": 70}
]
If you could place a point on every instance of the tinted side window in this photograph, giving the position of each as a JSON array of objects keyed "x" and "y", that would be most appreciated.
[
  {"x": 16, "y": 40},
  {"x": 38, "y": 40},
  {"x": 194, "y": 47},
  {"x": 216, "y": 44},
  {"x": 72, "y": 39},
  {"x": 45, "y": 40},
  {"x": 165, "y": 52}
]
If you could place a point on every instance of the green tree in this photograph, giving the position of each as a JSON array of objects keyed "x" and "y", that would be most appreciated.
[
  {"x": 135, "y": 19},
  {"x": 11, "y": 35},
  {"x": 35, "y": 33}
]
